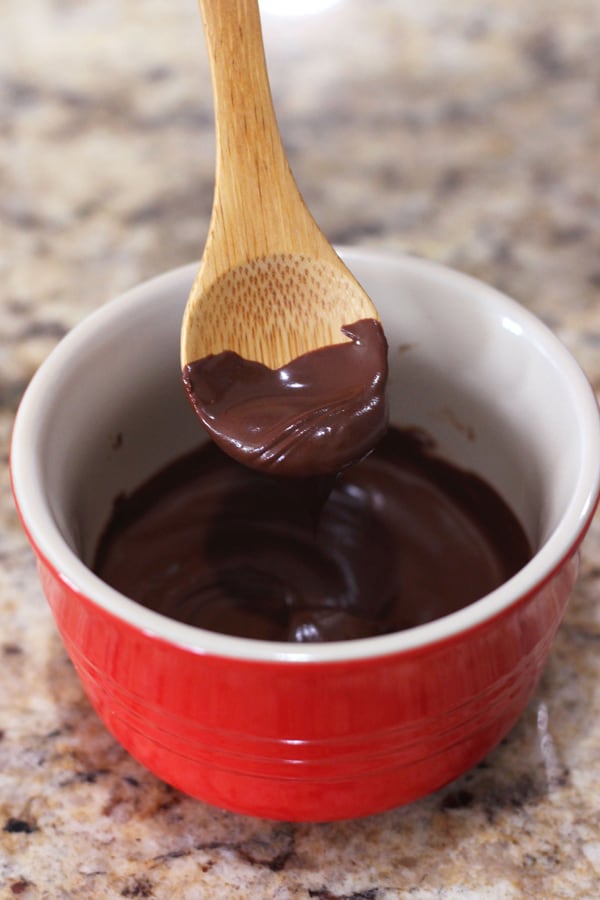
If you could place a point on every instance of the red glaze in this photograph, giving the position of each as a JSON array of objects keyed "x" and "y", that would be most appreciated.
[{"x": 265, "y": 738}]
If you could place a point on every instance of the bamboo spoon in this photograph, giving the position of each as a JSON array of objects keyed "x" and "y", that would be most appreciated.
[{"x": 270, "y": 287}]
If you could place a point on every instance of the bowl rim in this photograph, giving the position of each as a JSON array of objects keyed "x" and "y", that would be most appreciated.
[{"x": 52, "y": 548}]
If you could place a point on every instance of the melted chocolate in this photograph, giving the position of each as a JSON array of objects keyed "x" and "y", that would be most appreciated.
[
  {"x": 403, "y": 537},
  {"x": 315, "y": 415}
]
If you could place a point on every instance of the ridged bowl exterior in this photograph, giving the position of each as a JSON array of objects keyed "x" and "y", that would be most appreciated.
[{"x": 309, "y": 741}]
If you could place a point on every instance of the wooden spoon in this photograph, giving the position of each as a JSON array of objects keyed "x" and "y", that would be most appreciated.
[{"x": 270, "y": 287}]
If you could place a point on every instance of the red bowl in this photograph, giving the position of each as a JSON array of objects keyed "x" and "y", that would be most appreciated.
[{"x": 317, "y": 731}]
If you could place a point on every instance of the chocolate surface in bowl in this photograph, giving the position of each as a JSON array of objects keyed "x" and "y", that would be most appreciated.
[{"x": 399, "y": 539}]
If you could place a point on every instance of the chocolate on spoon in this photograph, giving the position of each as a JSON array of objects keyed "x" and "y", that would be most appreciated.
[{"x": 283, "y": 354}]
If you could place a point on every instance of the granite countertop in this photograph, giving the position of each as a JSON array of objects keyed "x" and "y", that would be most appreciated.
[{"x": 460, "y": 131}]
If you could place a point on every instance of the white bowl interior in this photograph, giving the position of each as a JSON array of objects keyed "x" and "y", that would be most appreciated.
[{"x": 494, "y": 388}]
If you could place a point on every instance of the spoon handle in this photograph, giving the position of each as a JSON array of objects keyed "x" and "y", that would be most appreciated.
[{"x": 257, "y": 208}]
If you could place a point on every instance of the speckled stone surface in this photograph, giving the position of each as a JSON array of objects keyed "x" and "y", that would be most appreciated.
[{"x": 461, "y": 131}]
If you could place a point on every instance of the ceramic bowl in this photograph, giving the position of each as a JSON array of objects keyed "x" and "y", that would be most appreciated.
[{"x": 317, "y": 731}]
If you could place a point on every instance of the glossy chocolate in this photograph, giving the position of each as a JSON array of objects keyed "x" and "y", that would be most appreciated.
[
  {"x": 403, "y": 538},
  {"x": 315, "y": 415}
]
